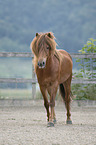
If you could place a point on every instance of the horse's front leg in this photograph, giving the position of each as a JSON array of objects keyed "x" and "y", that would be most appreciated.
[
  {"x": 46, "y": 104},
  {"x": 54, "y": 116},
  {"x": 52, "y": 90}
]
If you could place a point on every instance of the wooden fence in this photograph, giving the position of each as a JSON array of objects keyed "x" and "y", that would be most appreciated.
[{"x": 33, "y": 80}]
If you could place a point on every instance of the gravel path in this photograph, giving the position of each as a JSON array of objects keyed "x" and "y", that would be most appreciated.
[{"x": 28, "y": 126}]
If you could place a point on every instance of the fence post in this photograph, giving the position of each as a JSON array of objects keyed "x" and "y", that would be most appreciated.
[{"x": 33, "y": 84}]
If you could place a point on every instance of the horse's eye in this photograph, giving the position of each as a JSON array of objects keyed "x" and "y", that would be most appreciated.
[{"x": 48, "y": 47}]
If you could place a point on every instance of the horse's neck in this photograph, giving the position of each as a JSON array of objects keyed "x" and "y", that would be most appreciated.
[
  {"x": 57, "y": 55},
  {"x": 50, "y": 59}
]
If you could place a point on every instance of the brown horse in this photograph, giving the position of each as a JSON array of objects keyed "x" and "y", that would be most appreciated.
[{"x": 53, "y": 68}]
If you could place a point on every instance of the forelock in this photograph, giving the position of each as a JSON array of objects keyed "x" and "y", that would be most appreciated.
[{"x": 41, "y": 38}]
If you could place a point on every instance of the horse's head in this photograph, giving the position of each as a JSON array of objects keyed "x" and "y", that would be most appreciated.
[{"x": 43, "y": 46}]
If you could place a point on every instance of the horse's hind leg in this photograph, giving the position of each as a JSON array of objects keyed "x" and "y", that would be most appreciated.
[{"x": 67, "y": 99}]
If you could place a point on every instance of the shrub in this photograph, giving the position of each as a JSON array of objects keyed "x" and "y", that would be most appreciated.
[{"x": 88, "y": 71}]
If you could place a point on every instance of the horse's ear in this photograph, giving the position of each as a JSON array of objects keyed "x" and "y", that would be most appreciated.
[
  {"x": 37, "y": 34},
  {"x": 50, "y": 34}
]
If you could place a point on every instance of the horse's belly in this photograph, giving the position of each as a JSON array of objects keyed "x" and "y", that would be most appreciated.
[{"x": 64, "y": 78}]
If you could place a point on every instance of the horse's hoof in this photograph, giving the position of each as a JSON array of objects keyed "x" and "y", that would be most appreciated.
[
  {"x": 54, "y": 121},
  {"x": 69, "y": 122},
  {"x": 50, "y": 124}
]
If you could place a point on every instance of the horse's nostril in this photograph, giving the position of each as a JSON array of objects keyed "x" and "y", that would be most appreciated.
[{"x": 43, "y": 63}]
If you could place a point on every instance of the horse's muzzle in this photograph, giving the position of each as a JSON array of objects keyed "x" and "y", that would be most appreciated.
[{"x": 41, "y": 64}]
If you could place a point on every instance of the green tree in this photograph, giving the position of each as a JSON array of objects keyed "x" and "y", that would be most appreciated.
[{"x": 88, "y": 65}]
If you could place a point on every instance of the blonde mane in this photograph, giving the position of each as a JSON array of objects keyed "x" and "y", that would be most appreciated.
[{"x": 37, "y": 41}]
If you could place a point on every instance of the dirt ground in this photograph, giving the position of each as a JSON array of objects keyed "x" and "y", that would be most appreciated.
[{"x": 28, "y": 126}]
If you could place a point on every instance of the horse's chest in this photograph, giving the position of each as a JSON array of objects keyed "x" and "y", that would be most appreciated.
[{"x": 46, "y": 78}]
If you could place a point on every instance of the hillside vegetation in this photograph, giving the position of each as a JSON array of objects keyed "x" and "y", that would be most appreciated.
[{"x": 71, "y": 21}]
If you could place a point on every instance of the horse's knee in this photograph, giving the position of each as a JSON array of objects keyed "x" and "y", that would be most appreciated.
[
  {"x": 68, "y": 99},
  {"x": 46, "y": 104},
  {"x": 52, "y": 104},
  {"x": 68, "y": 113}
]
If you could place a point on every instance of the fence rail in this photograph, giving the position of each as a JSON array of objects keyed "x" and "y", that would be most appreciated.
[
  {"x": 33, "y": 80},
  {"x": 17, "y": 80},
  {"x": 26, "y": 54},
  {"x": 87, "y": 55},
  {"x": 84, "y": 81},
  {"x": 16, "y": 54}
]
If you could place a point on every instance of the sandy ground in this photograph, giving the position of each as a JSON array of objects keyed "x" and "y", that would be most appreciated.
[{"x": 28, "y": 126}]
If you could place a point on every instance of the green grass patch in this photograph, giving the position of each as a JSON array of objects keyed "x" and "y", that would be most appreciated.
[{"x": 15, "y": 94}]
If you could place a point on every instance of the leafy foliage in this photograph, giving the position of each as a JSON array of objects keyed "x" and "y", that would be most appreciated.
[
  {"x": 84, "y": 92},
  {"x": 88, "y": 65},
  {"x": 90, "y": 47},
  {"x": 88, "y": 71}
]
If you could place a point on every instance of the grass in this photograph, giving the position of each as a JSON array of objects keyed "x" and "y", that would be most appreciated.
[
  {"x": 15, "y": 93},
  {"x": 21, "y": 94},
  {"x": 81, "y": 92}
]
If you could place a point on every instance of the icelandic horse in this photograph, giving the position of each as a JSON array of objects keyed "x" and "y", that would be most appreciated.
[{"x": 53, "y": 68}]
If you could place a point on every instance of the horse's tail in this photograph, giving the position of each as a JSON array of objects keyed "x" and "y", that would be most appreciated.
[{"x": 62, "y": 91}]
